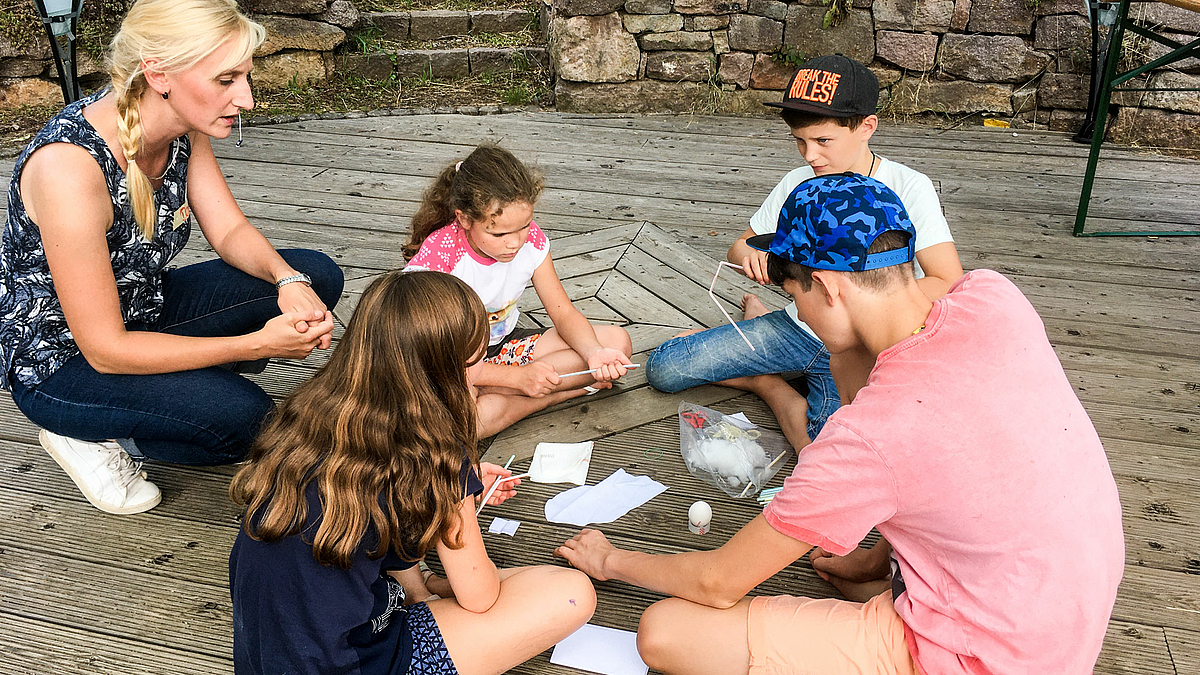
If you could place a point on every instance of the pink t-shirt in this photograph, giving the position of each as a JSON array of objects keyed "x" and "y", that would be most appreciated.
[
  {"x": 498, "y": 284},
  {"x": 970, "y": 453}
]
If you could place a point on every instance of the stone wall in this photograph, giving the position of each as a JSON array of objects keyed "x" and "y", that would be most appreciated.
[
  {"x": 1024, "y": 61},
  {"x": 299, "y": 48}
]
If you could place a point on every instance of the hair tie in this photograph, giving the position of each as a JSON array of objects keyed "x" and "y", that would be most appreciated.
[{"x": 458, "y": 167}]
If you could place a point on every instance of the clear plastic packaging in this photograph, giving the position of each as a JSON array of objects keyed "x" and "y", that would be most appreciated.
[{"x": 728, "y": 452}]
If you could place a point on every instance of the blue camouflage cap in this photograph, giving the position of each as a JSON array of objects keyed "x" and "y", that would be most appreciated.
[{"x": 829, "y": 222}]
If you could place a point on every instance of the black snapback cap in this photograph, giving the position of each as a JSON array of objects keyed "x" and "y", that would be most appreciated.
[{"x": 833, "y": 86}]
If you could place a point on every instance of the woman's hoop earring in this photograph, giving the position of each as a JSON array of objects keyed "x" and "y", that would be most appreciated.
[{"x": 165, "y": 95}]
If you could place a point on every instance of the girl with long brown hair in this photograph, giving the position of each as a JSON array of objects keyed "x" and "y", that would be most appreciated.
[
  {"x": 359, "y": 474},
  {"x": 476, "y": 222},
  {"x": 114, "y": 354}
]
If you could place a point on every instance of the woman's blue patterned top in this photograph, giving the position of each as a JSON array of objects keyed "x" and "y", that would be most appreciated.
[{"x": 34, "y": 338}]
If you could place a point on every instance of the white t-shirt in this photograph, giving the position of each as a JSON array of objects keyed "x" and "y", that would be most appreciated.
[
  {"x": 498, "y": 284},
  {"x": 913, "y": 187}
]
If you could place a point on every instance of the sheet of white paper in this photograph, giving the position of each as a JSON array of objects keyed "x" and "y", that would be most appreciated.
[
  {"x": 741, "y": 420},
  {"x": 600, "y": 650},
  {"x": 603, "y": 502},
  {"x": 561, "y": 463},
  {"x": 504, "y": 526}
]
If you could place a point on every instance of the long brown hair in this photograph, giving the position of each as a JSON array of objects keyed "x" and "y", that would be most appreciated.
[
  {"x": 481, "y": 185},
  {"x": 382, "y": 428}
]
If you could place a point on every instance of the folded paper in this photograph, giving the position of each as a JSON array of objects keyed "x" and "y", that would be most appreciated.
[{"x": 504, "y": 526}]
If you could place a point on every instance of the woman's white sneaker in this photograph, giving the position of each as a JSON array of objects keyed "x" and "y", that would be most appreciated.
[{"x": 110, "y": 480}]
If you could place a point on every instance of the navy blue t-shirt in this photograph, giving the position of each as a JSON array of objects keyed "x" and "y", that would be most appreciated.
[{"x": 294, "y": 615}]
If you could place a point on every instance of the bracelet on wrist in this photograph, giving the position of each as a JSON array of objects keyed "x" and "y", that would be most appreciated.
[{"x": 298, "y": 277}]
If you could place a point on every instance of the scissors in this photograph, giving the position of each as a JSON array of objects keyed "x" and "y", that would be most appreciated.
[{"x": 696, "y": 419}]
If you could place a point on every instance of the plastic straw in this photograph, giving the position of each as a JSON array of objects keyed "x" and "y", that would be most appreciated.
[
  {"x": 716, "y": 302},
  {"x": 589, "y": 372},
  {"x": 496, "y": 484}
]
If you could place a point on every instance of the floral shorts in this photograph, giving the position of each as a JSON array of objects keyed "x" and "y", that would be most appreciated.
[
  {"x": 429, "y": 655},
  {"x": 516, "y": 349}
]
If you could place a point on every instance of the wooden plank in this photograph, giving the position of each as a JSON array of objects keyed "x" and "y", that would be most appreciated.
[
  {"x": 33, "y": 647},
  {"x": 1160, "y": 598},
  {"x": 155, "y": 543},
  {"x": 637, "y": 177},
  {"x": 1184, "y": 649},
  {"x": 696, "y": 266},
  {"x": 594, "y": 240},
  {"x": 768, "y": 140},
  {"x": 680, "y": 292},
  {"x": 640, "y": 305},
  {"x": 593, "y": 309},
  {"x": 584, "y": 286},
  {"x": 177, "y": 612},
  {"x": 1134, "y": 649}
]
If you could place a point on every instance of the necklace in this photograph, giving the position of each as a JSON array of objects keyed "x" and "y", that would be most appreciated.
[
  {"x": 919, "y": 329},
  {"x": 170, "y": 163},
  {"x": 874, "y": 158}
]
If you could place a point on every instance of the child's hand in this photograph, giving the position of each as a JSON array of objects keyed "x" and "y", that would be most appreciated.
[
  {"x": 537, "y": 379},
  {"x": 609, "y": 363},
  {"x": 754, "y": 266},
  {"x": 490, "y": 473}
]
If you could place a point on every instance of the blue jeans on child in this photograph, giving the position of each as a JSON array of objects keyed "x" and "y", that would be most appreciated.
[
  {"x": 206, "y": 416},
  {"x": 716, "y": 354}
]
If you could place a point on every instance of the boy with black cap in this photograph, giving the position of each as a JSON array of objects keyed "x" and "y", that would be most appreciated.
[
  {"x": 967, "y": 449},
  {"x": 830, "y": 108}
]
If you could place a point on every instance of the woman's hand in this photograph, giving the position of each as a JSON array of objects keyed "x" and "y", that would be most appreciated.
[
  {"x": 300, "y": 298},
  {"x": 609, "y": 363},
  {"x": 490, "y": 473},
  {"x": 293, "y": 335},
  {"x": 537, "y": 379}
]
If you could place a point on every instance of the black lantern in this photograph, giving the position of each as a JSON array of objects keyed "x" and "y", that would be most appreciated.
[{"x": 59, "y": 18}]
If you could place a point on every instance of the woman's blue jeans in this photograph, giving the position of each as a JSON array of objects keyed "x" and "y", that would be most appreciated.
[
  {"x": 206, "y": 416},
  {"x": 716, "y": 354}
]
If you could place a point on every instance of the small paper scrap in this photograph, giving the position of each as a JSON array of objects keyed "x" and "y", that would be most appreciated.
[
  {"x": 602, "y": 650},
  {"x": 603, "y": 502},
  {"x": 504, "y": 526}
]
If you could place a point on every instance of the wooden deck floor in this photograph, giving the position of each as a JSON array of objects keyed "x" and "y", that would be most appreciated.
[{"x": 639, "y": 209}]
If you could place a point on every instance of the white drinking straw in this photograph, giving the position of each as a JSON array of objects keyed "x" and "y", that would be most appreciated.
[
  {"x": 589, "y": 372},
  {"x": 497, "y": 483},
  {"x": 713, "y": 295}
]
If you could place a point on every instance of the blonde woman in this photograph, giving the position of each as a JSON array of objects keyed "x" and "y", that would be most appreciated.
[{"x": 115, "y": 356}]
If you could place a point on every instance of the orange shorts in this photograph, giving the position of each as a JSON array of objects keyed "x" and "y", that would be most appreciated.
[{"x": 802, "y": 635}]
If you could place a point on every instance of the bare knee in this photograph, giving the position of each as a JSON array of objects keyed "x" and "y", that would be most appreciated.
[
  {"x": 657, "y": 634},
  {"x": 571, "y": 591},
  {"x": 615, "y": 337}
]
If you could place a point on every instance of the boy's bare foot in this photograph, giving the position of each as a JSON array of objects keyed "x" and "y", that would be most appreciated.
[
  {"x": 752, "y": 307},
  {"x": 758, "y": 384},
  {"x": 861, "y": 564},
  {"x": 790, "y": 408},
  {"x": 859, "y": 575},
  {"x": 859, "y": 591}
]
